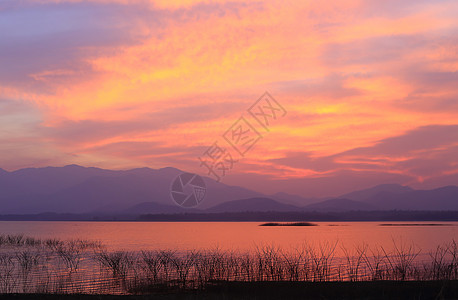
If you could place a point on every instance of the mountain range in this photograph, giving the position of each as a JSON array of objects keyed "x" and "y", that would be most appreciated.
[{"x": 79, "y": 190}]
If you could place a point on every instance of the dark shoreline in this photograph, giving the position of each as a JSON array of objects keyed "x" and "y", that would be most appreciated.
[
  {"x": 285, "y": 290},
  {"x": 305, "y": 216}
]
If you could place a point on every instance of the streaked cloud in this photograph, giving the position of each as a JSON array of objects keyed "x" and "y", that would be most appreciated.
[{"x": 369, "y": 86}]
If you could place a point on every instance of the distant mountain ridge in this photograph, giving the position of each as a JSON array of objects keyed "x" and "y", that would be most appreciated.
[
  {"x": 339, "y": 205},
  {"x": 76, "y": 189},
  {"x": 444, "y": 198},
  {"x": 253, "y": 204},
  {"x": 366, "y": 194},
  {"x": 294, "y": 199}
]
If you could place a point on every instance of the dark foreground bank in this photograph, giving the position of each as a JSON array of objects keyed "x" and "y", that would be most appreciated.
[
  {"x": 287, "y": 290},
  {"x": 248, "y": 216}
]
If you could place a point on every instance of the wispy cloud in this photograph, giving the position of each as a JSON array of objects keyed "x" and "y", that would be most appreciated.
[{"x": 369, "y": 86}]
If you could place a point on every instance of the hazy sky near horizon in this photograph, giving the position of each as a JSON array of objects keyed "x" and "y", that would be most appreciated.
[{"x": 370, "y": 88}]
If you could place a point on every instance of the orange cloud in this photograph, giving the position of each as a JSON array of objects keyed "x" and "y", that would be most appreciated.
[{"x": 175, "y": 75}]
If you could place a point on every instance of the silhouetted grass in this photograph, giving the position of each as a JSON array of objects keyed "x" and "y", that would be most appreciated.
[{"x": 54, "y": 266}]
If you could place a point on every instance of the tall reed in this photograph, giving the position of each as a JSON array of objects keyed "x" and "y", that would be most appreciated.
[{"x": 51, "y": 265}]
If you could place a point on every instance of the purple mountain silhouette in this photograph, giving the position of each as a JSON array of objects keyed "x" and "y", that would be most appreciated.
[{"x": 76, "y": 189}]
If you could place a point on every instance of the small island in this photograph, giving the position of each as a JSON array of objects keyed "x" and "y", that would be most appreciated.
[{"x": 289, "y": 224}]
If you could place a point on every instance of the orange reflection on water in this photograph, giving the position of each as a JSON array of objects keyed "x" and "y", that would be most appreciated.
[{"x": 239, "y": 236}]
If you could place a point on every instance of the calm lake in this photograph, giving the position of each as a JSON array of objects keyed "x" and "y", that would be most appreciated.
[{"x": 240, "y": 236}]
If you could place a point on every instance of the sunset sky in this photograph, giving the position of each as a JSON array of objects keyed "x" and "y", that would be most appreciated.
[{"x": 370, "y": 88}]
